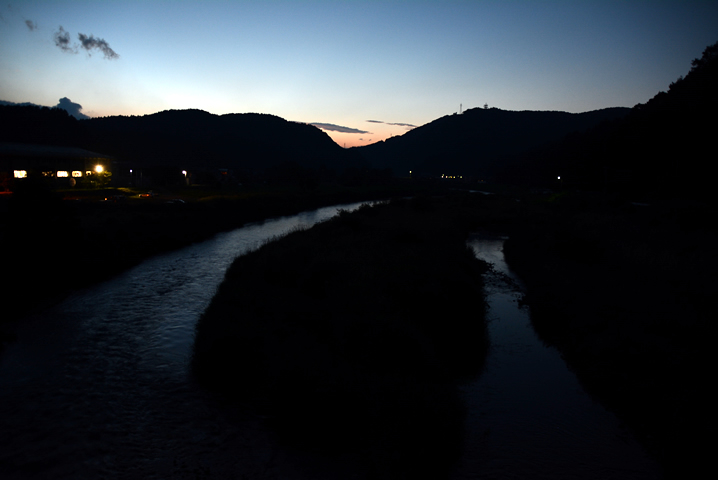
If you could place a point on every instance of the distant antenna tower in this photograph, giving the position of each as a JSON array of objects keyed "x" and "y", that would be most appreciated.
[
  {"x": 486, "y": 105},
  {"x": 461, "y": 109}
]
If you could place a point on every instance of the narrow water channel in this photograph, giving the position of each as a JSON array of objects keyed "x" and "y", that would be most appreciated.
[
  {"x": 528, "y": 415},
  {"x": 98, "y": 386}
]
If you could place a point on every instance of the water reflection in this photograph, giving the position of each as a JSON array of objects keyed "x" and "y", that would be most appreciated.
[
  {"x": 528, "y": 415},
  {"x": 98, "y": 385}
]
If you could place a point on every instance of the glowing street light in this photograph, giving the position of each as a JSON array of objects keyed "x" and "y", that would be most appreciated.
[{"x": 99, "y": 169}]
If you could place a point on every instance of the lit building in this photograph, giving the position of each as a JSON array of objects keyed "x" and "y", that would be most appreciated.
[{"x": 66, "y": 166}]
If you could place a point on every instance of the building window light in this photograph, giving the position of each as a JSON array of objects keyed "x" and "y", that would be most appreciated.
[
  {"x": 88, "y": 172},
  {"x": 62, "y": 173},
  {"x": 48, "y": 174},
  {"x": 20, "y": 173},
  {"x": 76, "y": 173}
]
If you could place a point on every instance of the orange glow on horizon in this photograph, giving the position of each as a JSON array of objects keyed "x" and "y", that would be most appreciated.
[
  {"x": 350, "y": 140},
  {"x": 376, "y": 133}
]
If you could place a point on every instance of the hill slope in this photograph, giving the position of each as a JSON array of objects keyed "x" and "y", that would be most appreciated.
[
  {"x": 195, "y": 138},
  {"x": 180, "y": 138},
  {"x": 475, "y": 142},
  {"x": 658, "y": 150}
]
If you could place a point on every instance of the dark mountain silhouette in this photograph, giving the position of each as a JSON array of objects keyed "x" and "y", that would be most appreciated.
[
  {"x": 476, "y": 142},
  {"x": 654, "y": 148},
  {"x": 473, "y": 143},
  {"x": 197, "y": 139},
  {"x": 660, "y": 149},
  {"x": 187, "y": 139}
]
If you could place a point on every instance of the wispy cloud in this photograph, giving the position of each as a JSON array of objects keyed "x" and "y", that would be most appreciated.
[
  {"x": 408, "y": 126},
  {"x": 62, "y": 40},
  {"x": 31, "y": 25},
  {"x": 337, "y": 128},
  {"x": 90, "y": 43}
]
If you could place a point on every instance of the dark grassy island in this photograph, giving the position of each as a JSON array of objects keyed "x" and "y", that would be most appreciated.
[{"x": 353, "y": 335}]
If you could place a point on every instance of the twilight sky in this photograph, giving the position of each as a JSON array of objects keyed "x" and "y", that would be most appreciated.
[{"x": 361, "y": 70}]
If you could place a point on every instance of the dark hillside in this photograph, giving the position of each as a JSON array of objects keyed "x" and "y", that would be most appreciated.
[
  {"x": 180, "y": 138},
  {"x": 660, "y": 150},
  {"x": 196, "y": 138},
  {"x": 474, "y": 142}
]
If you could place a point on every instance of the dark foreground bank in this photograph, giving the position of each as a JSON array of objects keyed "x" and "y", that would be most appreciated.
[
  {"x": 59, "y": 241},
  {"x": 626, "y": 293},
  {"x": 353, "y": 335}
]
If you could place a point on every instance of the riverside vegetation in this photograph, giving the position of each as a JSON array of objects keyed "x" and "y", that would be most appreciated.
[
  {"x": 64, "y": 240},
  {"x": 353, "y": 336},
  {"x": 626, "y": 292},
  {"x": 323, "y": 329}
]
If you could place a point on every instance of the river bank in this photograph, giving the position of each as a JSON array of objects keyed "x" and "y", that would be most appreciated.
[
  {"x": 353, "y": 336},
  {"x": 113, "y": 358},
  {"x": 625, "y": 292},
  {"x": 61, "y": 241},
  {"x": 97, "y": 386},
  {"x": 527, "y": 414}
]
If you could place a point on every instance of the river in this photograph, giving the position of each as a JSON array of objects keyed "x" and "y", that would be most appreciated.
[
  {"x": 98, "y": 386},
  {"x": 528, "y": 416}
]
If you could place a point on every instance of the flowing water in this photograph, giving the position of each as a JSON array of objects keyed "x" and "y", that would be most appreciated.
[
  {"x": 528, "y": 415},
  {"x": 98, "y": 387}
]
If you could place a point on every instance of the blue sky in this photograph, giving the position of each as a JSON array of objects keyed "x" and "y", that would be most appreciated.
[{"x": 374, "y": 67}]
